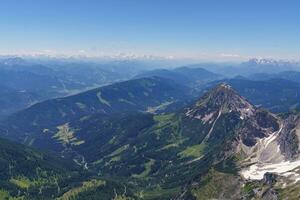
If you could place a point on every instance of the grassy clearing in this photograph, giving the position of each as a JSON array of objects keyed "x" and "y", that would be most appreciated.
[
  {"x": 158, "y": 193},
  {"x": 66, "y": 135},
  {"x": 192, "y": 151},
  {"x": 81, "y": 105},
  {"x": 4, "y": 195},
  {"x": 147, "y": 170},
  {"x": 163, "y": 119},
  {"x": 119, "y": 150},
  {"x": 115, "y": 156},
  {"x": 126, "y": 101},
  {"x": 177, "y": 143},
  {"x": 159, "y": 107},
  {"x": 167, "y": 126},
  {"x": 71, "y": 194},
  {"x": 21, "y": 182},
  {"x": 217, "y": 185},
  {"x": 103, "y": 101}
]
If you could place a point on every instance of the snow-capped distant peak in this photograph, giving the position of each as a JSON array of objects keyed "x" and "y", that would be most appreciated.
[
  {"x": 260, "y": 61},
  {"x": 271, "y": 62}
]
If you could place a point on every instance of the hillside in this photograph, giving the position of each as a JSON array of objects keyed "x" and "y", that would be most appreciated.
[
  {"x": 148, "y": 94},
  {"x": 185, "y": 153},
  {"x": 32, "y": 175},
  {"x": 28, "y": 173}
]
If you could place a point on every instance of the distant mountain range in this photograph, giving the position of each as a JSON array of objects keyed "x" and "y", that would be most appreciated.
[
  {"x": 287, "y": 75},
  {"x": 193, "y": 77},
  {"x": 47, "y": 80},
  {"x": 60, "y": 78},
  {"x": 252, "y": 66}
]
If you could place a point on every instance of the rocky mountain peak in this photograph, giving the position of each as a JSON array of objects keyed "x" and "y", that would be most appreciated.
[
  {"x": 222, "y": 94},
  {"x": 221, "y": 99}
]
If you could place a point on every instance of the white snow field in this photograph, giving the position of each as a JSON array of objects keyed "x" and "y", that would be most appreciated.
[
  {"x": 268, "y": 158},
  {"x": 257, "y": 171}
]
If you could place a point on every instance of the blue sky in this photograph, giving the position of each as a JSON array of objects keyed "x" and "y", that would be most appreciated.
[{"x": 202, "y": 29}]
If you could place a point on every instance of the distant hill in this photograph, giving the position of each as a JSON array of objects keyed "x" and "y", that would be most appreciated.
[
  {"x": 146, "y": 94},
  {"x": 44, "y": 85},
  {"x": 184, "y": 75},
  {"x": 12, "y": 100},
  {"x": 287, "y": 75}
]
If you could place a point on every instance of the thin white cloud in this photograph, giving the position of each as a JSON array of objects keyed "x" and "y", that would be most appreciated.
[{"x": 229, "y": 55}]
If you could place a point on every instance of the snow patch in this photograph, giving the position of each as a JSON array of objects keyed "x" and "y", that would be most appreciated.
[
  {"x": 269, "y": 159},
  {"x": 257, "y": 171}
]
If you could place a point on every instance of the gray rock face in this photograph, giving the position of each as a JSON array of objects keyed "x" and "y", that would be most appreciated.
[
  {"x": 266, "y": 191},
  {"x": 288, "y": 138},
  {"x": 250, "y": 124},
  {"x": 270, "y": 194},
  {"x": 269, "y": 178}
]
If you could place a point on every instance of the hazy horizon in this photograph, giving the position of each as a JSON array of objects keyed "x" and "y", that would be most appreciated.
[{"x": 197, "y": 30}]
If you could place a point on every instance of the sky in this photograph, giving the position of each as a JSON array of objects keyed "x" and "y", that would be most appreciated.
[{"x": 191, "y": 29}]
